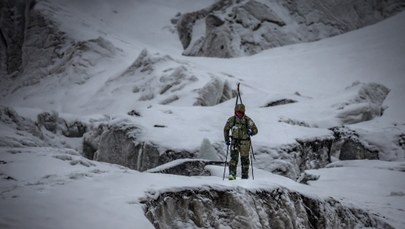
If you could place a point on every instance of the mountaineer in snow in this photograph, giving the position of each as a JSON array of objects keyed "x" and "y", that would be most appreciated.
[{"x": 242, "y": 128}]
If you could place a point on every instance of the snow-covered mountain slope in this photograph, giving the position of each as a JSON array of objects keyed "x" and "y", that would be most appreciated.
[{"x": 106, "y": 64}]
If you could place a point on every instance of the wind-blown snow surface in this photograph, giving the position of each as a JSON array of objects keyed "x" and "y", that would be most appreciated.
[{"x": 58, "y": 188}]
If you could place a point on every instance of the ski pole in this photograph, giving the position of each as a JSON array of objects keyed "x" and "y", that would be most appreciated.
[
  {"x": 226, "y": 159},
  {"x": 252, "y": 156},
  {"x": 251, "y": 148},
  {"x": 251, "y": 165}
]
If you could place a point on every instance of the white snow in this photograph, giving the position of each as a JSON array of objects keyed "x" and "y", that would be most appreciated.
[{"x": 46, "y": 187}]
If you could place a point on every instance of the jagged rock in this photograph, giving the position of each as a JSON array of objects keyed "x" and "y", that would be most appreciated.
[
  {"x": 186, "y": 22},
  {"x": 278, "y": 208},
  {"x": 237, "y": 28},
  {"x": 214, "y": 92},
  {"x": 348, "y": 146},
  {"x": 74, "y": 129},
  {"x": 48, "y": 120},
  {"x": 91, "y": 141},
  {"x": 52, "y": 122},
  {"x": 293, "y": 159},
  {"x": 171, "y": 155},
  {"x": 37, "y": 49},
  {"x": 313, "y": 154},
  {"x": 27, "y": 131},
  {"x": 12, "y": 23}
]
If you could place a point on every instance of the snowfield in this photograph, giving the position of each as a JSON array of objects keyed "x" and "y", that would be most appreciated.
[{"x": 127, "y": 57}]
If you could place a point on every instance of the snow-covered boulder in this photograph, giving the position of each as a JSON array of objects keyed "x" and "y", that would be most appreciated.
[
  {"x": 184, "y": 167},
  {"x": 118, "y": 144},
  {"x": 365, "y": 105}
]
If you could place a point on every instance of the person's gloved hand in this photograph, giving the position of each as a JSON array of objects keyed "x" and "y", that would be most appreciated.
[
  {"x": 227, "y": 142},
  {"x": 250, "y": 132}
]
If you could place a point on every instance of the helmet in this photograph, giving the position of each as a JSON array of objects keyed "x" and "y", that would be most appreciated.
[{"x": 240, "y": 107}]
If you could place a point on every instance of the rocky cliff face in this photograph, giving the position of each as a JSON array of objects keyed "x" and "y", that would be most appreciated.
[
  {"x": 240, "y": 27},
  {"x": 33, "y": 48},
  {"x": 242, "y": 208}
]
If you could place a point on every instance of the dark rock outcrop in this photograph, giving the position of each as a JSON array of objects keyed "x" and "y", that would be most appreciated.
[
  {"x": 292, "y": 160},
  {"x": 52, "y": 122},
  {"x": 119, "y": 143},
  {"x": 279, "y": 208},
  {"x": 348, "y": 146}
]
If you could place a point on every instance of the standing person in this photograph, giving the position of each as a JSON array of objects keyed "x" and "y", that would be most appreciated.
[{"x": 241, "y": 127}]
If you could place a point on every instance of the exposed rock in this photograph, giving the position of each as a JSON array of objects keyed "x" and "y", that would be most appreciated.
[
  {"x": 279, "y": 102},
  {"x": 214, "y": 92},
  {"x": 52, "y": 122},
  {"x": 12, "y": 25},
  {"x": 292, "y": 160},
  {"x": 171, "y": 155},
  {"x": 348, "y": 146},
  {"x": 27, "y": 131},
  {"x": 279, "y": 208},
  {"x": 91, "y": 141},
  {"x": 313, "y": 154},
  {"x": 74, "y": 129},
  {"x": 237, "y": 28},
  {"x": 294, "y": 122},
  {"x": 48, "y": 120},
  {"x": 118, "y": 145},
  {"x": 37, "y": 49},
  {"x": 186, "y": 21},
  {"x": 117, "y": 142}
]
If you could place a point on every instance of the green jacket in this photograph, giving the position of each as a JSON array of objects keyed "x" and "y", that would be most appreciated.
[{"x": 239, "y": 127}]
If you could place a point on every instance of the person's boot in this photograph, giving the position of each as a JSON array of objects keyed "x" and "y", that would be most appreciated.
[
  {"x": 232, "y": 175},
  {"x": 245, "y": 176}
]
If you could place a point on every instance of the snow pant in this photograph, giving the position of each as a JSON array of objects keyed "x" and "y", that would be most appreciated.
[{"x": 241, "y": 147}]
